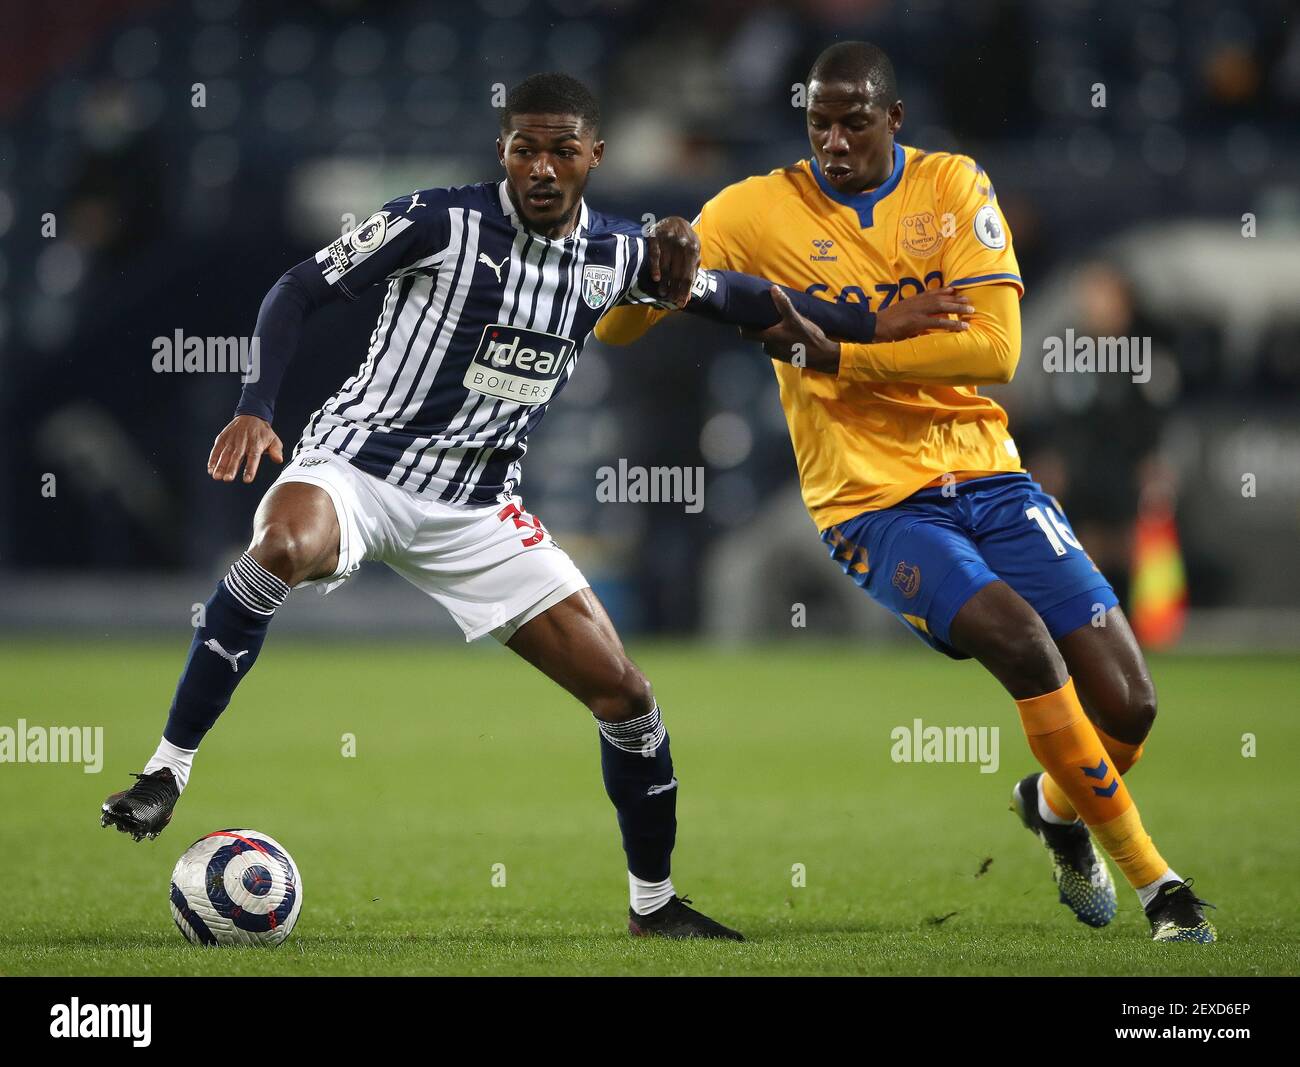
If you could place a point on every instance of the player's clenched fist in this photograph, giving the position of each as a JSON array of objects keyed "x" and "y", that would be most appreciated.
[
  {"x": 242, "y": 443},
  {"x": 674, "y": 251},
  {"x": 924, "y": 311}
]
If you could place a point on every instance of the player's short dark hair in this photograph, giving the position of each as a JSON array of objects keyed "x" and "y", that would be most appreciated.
[
  {"x": 858, "y": 61},
  {"x": 551, "y": 93}
]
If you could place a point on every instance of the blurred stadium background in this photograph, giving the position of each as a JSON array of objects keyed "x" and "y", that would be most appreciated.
[{"x": 1128, "y": 220}]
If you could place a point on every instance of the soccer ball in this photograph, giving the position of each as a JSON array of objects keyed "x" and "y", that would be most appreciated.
[{"x": 236, "y": 887}]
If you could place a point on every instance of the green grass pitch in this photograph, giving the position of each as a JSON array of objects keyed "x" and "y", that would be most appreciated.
[{"x": 465, "y": 759}]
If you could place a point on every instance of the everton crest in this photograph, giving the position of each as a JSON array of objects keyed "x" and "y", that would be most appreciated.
[
  {"x": 597, "y": 284},
  {"x": 907, "y": 577}
]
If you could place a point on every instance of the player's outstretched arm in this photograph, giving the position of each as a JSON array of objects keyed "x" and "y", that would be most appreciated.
[
  {"x": 249, "y": 436},
  {"x": 982, "y": 348},
  {"x": 298, "y": 292},
  {"x": 404, "y": 235},
  {"x": 755, "y": 304}
]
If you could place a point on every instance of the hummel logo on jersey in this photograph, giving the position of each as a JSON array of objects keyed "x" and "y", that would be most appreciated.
[
  {"x": 496, "y": 267},
  {"x": 822, "y": 255},
  {"x": 213, "y": 645},
  {"x": 517, "y": 364}
]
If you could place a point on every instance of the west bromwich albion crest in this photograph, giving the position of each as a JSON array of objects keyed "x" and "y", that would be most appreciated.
[{"x": 597, "y": 284}]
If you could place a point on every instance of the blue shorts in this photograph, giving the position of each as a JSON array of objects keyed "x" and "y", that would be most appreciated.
[{"x": 926, "y": 556}]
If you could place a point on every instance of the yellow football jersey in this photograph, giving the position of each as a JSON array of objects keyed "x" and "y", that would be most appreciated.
[{"x": 868, "y": 438}]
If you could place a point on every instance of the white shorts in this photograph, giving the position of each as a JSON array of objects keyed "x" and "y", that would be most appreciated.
[{"x": 493, "y": 568}]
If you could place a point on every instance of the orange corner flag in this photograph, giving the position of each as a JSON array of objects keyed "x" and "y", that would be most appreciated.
[{"x": 1159, "y": 581}]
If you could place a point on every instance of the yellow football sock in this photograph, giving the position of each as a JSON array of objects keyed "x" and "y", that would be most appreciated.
[
  {"x": 1122, "y": 754},
  {"x": 1122, "y": 757},
  {"x": 1067, "y": 745}
]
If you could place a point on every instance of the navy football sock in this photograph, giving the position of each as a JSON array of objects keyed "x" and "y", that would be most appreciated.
[
  {"x": 638, "y": 771},
  {"x": 224, "y": 649}
]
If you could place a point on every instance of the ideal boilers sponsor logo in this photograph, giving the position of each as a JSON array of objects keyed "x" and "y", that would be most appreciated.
[
  {"x": 517, "y": 364},
  {"x": 76, "y": 1019}
]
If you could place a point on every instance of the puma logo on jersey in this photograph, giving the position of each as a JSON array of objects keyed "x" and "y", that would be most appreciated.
[
  {"x": 415, "y": 201},
  {"x": 655, "y": 790},
  {"x": 213, "y": 645},
  {"x": 496, "y": 267}
]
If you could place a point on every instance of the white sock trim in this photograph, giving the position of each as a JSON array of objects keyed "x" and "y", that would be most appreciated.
[
  {"x": 1147, "y": 893},
  {"x": 640, "y": 736},
  {"x": 1045, "y": 811},
  {"x": 649, "y": 896},
  {"x": 175, "y": 759},
  {"x": 256, "y": 588}
]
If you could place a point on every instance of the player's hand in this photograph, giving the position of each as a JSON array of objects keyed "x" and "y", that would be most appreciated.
[
  {"x": 925, "y": 311},
  {"x": 243, "y": 443},
  {"x": 796, "y": 340},
  {"x": 674, "y": 250}
]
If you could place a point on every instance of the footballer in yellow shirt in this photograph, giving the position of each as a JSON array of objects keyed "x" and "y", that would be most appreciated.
[{"x": 912, "y": 476}]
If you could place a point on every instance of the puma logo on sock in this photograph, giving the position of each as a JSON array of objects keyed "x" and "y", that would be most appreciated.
[{"x": 213, "y": 645}]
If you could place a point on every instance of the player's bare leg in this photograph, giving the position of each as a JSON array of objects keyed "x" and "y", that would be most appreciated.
[
  {"x": 574, "y": 643},
  {"x": 997, "y": 627},
  {"x": 1112, "y": 678},
  {"x": 1001, "y": 630},
  {"x": 296, "y": 533},
  {"x": 295, "y": 539}
]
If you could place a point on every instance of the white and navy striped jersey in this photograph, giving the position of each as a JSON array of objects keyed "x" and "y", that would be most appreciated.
[{"x": 481, "y": 327}]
